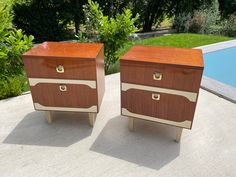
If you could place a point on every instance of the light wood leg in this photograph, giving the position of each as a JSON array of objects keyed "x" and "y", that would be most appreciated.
[
  {"x": 49, "y": 117},
  {"x": 178, "y": 134},
  {"x": 131, "y": 124},
  {"x": 92, "y": 118}
]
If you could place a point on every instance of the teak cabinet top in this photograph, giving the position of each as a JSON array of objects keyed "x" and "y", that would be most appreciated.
[
  {"x": 65, "y": 50},
  {"x": 165, "y": 55}
]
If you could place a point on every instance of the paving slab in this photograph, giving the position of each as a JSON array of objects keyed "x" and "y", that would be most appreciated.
[{"x": 69, "y": 147}]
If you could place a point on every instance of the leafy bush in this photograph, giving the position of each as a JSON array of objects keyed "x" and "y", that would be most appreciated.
[
  {"x": 205, "y": 20},
  {"x": 12, "y": 44},
  {"x": 181, "y": 22},
  {"x": 10, "y": 87},
  {"x": 113, "y": 32},
  {"x": 229, "y": 26}
]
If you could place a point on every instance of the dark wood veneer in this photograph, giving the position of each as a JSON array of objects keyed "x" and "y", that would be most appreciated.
[
  {"x": 173, "y": 77},
  {"x": 74, "y": 69},
  {"x": 169, "y": 107},
  {"x": 76, "y": 96}
]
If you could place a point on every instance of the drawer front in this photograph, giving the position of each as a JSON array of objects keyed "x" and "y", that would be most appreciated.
[
  {"x": 158, "y": 105},
  {"x": 60, "y": 68},
  {"x": 63, "y": 95},
  {"x": 166, "y": 76}
]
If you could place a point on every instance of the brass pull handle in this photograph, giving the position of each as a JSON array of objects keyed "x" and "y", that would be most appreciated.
[
  {"x": 60, "y": 69},
  {"x": 62, "y": 88},
  {"x": 156, "y": 96},
  {"x": 157, "y": 76}
]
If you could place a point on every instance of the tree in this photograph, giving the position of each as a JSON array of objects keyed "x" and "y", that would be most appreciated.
[
  {"x": 72, "y": 10},
  {"x": 112, "y": 7},
  {"x": 151, "y": 12},
  {"x": 186, "y": 6},
  {"x": 227, "y": 7}
]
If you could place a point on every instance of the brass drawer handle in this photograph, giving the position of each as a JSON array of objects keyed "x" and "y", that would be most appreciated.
[
  {"x": 62, "y": 88},
  {"x": 60, "y": 69},
  {"x": 157, "y": 76},
  {"x": 156, "y": 96}
]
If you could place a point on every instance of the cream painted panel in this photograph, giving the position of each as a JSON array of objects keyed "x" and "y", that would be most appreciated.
[
  {"x": 184, "y": 124},
  {"x": 35, "y": 81},
  {"x": 48, "y": 108}
]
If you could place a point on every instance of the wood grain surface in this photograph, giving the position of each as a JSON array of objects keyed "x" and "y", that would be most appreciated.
[
  {"x": 65, "y": 50},
  {"x": 169, "y": 107},
  {"x": 165, "y": 55},
  {"x": 186, "y": 79},
  {"x": 80, "y": 96},
  {"x": 45, "y": 67}
]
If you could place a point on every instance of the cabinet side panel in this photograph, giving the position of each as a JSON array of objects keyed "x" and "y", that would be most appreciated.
[{"x": 100, "y": 76}]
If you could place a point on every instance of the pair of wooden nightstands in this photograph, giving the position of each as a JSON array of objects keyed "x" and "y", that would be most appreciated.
[{"x": 158, "y": 84}]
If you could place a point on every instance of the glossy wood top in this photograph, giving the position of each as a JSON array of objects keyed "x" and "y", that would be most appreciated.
[
  {"x": 65, "y": 50},
  {"x": 165, "y": 55}
]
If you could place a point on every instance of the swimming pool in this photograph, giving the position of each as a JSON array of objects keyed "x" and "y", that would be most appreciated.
[
  {"x": 221, "y": 66},
  {"x": 219, "y": 76}
]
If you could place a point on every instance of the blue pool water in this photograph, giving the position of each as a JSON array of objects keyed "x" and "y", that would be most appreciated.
[{"x": 221, "y": 66}]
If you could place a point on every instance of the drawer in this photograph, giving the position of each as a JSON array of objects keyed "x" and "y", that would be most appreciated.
[
  {"x": 157, "y": 105},
  {"x": 63, "y": 95},
  {"x": 161, "y": 75},
  {"x": 60, "y": 68}
]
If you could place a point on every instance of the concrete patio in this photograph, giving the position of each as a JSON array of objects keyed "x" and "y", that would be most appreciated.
[{"x": 69, "y": 147}]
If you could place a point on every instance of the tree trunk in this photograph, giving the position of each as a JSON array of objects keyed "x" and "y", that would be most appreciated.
[
  {"x": 148, "y": 22},
  {"x": 76, "y": 21},
  {"x": 76, "y": 17}
]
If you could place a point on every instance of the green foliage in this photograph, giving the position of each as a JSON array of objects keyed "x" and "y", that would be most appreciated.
[
  {"x": 10, "y": 87},
  {"x": 42, "y": 19},
  {"x": 153, "y": 11},
  {"x": 5, "y": 20},
  {"x": 229, "y": 26},
  {"x": 181, "y": 22},
  {"x": 113, "y": 32},
  {"x": 227, "y": 7},
  {"x": 205, "y": 20},
  {"x": 12, "y": 44},
  {"x": 186, "y": 6}
]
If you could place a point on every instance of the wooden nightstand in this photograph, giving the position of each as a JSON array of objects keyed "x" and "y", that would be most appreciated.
[
  {"x": 161, "y": 84},
  {"x": 66, "y": 76}
]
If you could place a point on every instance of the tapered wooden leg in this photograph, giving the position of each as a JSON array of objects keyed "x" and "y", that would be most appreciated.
[
  {"x": 178, "y": 134},
  {"x": 131, "y": 124},
  {"x": 92, "y": 118},
  {"x": 49, "y": 117}
]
